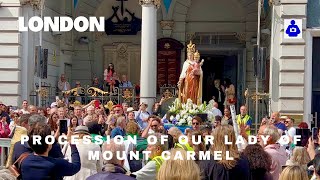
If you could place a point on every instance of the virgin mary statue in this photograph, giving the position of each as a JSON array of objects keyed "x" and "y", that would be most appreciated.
[{"x": 190, "y": 83}]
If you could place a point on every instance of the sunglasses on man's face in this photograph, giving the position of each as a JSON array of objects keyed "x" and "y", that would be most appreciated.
[
  {"x": 286, "y": 122},
  {"x": 195, "y": 123},
  {"x": 1, "y": 104}
]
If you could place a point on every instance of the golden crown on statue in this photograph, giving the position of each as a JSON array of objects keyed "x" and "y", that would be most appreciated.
[
  {"x": 191, "y": 47},
  {"x": 196, "y": 54}
]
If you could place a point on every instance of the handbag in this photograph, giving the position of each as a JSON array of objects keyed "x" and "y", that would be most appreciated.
[{"x": 15, "y": 167}]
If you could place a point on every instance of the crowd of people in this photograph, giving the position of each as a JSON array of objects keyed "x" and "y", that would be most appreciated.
[{"x": 270, "y": 161}]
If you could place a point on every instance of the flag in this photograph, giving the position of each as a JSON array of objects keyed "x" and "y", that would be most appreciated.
[{"x": 75, "y": 3}]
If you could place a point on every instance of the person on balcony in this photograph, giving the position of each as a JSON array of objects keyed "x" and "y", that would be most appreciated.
[
  {"x": 97, "y": 84},
  {"x": 64, "y": 85},
  {"x": 125, "y": 83}
]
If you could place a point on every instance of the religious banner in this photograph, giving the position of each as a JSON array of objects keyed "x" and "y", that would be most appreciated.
[
  {"x": 37, "y": 57},
  {"x": 126, "y": 24}
]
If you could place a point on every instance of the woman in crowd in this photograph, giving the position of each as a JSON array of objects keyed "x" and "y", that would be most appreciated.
[
  {"x": 230, "y": 93},
  {"x": 15, "y": 119},
  {"x": 177, "y": 169},
  {"x": 227, "y": 118},
  {"x": 238, "y": 168},
  {"x": 42, "y": 112},
  {"x": 299, "y": 157},
  {"x": 294, "y": 173},
  {"x": 259, "y": 161},
  {"x": 4, "y": 128},
  {"x": 130, "y": 116},
  {"x": 53, "y": 122},
  {"x": 38, "y": 166},
  {"x": 132, "y": 129},
  {"x": 196, "y": 123},
  {"x": 88, "y": 166},
  {"x": 108, "y": 74},
  {"x": 73, "y": 123}
]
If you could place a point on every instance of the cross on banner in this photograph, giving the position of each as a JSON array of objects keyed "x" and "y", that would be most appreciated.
[{"x": 122, "y": 6}]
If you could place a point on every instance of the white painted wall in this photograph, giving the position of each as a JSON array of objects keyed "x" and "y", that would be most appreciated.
[{"x": 10, "y": 53}]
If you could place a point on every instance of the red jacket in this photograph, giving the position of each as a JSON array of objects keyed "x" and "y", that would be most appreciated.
[{"x": 4, "y": 131}]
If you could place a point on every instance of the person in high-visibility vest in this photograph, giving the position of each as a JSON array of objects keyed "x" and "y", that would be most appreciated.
[
  {"x": 176, "y": 133},
  {"x": 149, "y": 171},
  {"x": 244, "y": 118}
]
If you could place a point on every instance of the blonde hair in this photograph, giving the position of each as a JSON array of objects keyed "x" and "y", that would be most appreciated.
[
  {"x": 293, "y": 173},
  {"x": 219, "y": 145},
  {"x": 300, "y": 156},
  {"x": 187, "y": 169},
  {"x": 132, "y": 127}
]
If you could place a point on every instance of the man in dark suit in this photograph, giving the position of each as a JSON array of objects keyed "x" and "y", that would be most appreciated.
[{"x": 218, "y": 94}]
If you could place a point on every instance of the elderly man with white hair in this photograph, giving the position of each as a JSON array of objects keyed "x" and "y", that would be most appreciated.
[
  {"x": 120, "y": 129},
  {"x": 276, "y": 151},
  {"x": 113, "y": 168}
]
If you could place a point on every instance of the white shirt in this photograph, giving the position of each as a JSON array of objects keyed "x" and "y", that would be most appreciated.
[
  {"x": 216, "y": 112},
  {"x": 147, "y": 172},
  {"x": 88, "y": 167},
  {"x": 24, "y": 111},
  {"x": 291, "y": 132}
]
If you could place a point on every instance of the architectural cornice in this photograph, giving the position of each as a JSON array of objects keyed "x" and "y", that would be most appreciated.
[
  {"x": 34, "y": 3},
  {"x": 156, "y": 3},
  {"x": 167, "y": 24}
]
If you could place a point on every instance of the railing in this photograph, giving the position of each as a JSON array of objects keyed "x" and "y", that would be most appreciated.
[
  {"x": 5, "y": 144},
  {"x": 47, "y": 93},
  {"x": 84, "y": 95}
]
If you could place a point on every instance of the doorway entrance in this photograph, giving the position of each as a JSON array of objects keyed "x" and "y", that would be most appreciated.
[
  {"x": 316, "y": 79},
  {"x": 218, "y": 67},
  {"x": 221, "y": 63}
]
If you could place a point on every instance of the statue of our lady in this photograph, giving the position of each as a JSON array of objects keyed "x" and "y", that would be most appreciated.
[{"x": 190, "y": 83}]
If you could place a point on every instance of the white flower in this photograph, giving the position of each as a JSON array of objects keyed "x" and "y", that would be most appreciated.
[
  {"x": 183, "y": 106},
  {"x": 182, "y": 121},
  {"x": 189, "y": 118},
  {"x": 190, "y": 123},
  {"x": 185, "y": 116},
  {"x": 194, "y": 106},
  {"x": 171, "y": 118},
  {"x": 178, "y": 117}
]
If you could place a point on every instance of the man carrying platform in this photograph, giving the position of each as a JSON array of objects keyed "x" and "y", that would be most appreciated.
[{"x": 176, "y": 133}]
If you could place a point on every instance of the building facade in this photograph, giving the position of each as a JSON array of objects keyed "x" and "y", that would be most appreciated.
[{"x": 224, "y": 33}]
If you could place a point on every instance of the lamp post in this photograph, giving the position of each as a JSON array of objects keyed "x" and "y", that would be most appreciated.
[
  {"x": 40, "y": 44},
  {"x": 258, "y": 55}
]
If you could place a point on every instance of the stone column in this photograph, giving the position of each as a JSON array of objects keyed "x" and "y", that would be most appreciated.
[
  {"x": 287, "y": 61},
  {"x": 148, "y": 52}
]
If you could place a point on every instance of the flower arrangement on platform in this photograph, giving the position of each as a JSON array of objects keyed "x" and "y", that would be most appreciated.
[{"x": 182, "y": 113}]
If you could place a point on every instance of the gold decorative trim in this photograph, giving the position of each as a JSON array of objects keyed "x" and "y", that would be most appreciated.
[
  {"x": 167, "y": 46},
  {"x": 44, "y": 92},
  {"x": 156, "y": 3},
  {"x": 93, "y": 91},
  {"x": 127, "y": 94},
  {"x": 168, "y": 25}
]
